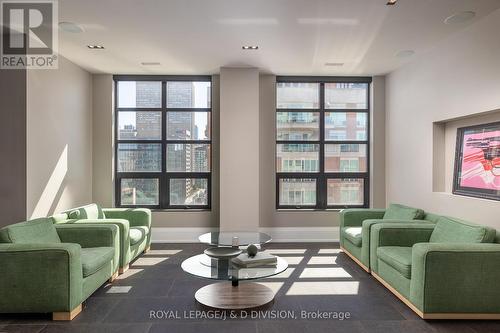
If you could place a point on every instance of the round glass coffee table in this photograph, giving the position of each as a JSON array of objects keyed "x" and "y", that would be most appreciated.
[
  {"x": 223, "y": 239},
  {"x": 226, "y": 238},
  {"x": 230, "y": 294}
]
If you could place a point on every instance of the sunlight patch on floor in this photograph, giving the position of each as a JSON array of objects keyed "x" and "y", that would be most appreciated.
[
  {"x": 284, "y": 275},
  {"x": 326, "y": 272},
  {"x": 162, "y": 252},
  {"x": 285, "y": 251},
  {"x": 329, "y": 251},
  {"x": 293, "y": 260},
  {"x": 119, "y": 290},
  {"x": 330, "y": 260},
  {"x": 128, "y": 273},
  {"x": 324, "y": 288},
  {"x": 148, "y": 261}
]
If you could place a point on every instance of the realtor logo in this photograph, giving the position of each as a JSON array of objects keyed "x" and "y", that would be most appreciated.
[{"x": 29, "y": 34}]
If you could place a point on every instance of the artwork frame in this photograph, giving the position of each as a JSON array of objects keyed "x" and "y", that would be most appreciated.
[{"x": 477, "y": 161}]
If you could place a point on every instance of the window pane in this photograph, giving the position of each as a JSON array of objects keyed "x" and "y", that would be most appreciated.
[
  {"x": 297, "y": 192},
  {"x": 188, "y": 125},
  {"x": 188, "y": 157},
  {"x": 297, "y": 158},
  {"x": 346, "y": 126},
  {"x": 142, "y": 157},
  {"x": 139, "y": 94},
  {"x": 139, "y": 125},
  {"x": 297, "y": 95},
  {"x": 186, "y": 94},
  {"x": 346, "y": 95},
  {"x": 190, "y": 191},
  {"x": 345, "y": 158},
  {"x": 344, "y": 192},
  {"x": 139, "y": 191},
  {"x": 297, "y": 125}
]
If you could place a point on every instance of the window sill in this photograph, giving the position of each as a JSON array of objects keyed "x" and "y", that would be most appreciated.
[
  {"x": 308, "y": 210},
  {"x": 177, "y": 210}
]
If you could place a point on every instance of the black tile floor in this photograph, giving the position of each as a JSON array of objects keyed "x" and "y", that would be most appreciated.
[{"x": 318, "y": 278}]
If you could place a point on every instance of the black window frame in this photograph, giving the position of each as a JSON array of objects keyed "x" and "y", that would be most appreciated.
[
  {"x": 322, "y": 177},
  {"x": 163, "y": 176}
]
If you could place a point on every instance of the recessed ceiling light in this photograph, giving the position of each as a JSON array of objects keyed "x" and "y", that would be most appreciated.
[
  {"x": 150, "y": 63},
  {"x": 391, "y": 2},
  {"x": 70, "y": 27},
  {"x": 460, "y": 17},
  {"x": 334, "y": 64},
  {"x": 405, "y": 54},
  {"x": 96, "y": 47},
  {"x": 250, "y": 47}
]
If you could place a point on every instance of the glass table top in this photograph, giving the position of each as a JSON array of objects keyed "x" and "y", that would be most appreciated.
[
  {"x": 226, "y": 238},
  {"x": 226, "y": 270}
]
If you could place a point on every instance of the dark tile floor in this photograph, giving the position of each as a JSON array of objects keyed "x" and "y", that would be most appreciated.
[{"x": 318, "y": 278}]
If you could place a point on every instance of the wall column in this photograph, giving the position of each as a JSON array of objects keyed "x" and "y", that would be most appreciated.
[
  {"x": 13, "y": 146},
  {"x": 239, "y": 149}
]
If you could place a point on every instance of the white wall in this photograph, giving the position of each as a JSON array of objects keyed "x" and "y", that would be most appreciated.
[
  {"x": 102, "y": 139},
  {"x": 239, "y": 148},
  {"x": 59, "y": 139},
  {"x": 459, "y": 77}
]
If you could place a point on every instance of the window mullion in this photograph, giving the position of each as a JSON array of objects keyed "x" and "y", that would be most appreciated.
[{"x": 165, "y": 183}]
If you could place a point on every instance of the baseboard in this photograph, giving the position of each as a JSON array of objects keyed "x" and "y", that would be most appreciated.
[
  {"x": 279, "y": 235},
  {"x": 301, "y": 234},
  {"x": 178, "y": 235}
]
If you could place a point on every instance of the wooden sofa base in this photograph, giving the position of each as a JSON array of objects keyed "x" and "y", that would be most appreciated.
[
  {"x": 123, "y": 269},
  {"x": 67, "y": 315},
  {"x": 113, "y": 277},
  {"x": 473, "y": 316},
  {"x": 146, "y": 250},
  {"x": 356, "y": 260}
]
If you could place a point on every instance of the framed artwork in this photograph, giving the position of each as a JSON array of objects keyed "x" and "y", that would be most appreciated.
[{"x": 477, "y": 161}]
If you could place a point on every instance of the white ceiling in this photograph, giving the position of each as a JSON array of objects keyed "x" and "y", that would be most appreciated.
[{"x": 294, "y": 36}]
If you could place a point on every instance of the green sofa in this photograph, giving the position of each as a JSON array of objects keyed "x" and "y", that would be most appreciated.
[
  {"x": 356, "y": 224},
  {"x": 134, "y": 227},
  {"x": 449, "y": 270},
  {"x": 49, "y": 268}
]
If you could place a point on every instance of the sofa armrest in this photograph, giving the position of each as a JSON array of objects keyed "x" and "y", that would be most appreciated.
[
  {"x": 397, "y": 234},
  {"x": 40, "y": 277},
  {"x": 137, "y": 217},
  {"x": 455, "y": 277},
  {"x": 123, "y": 235},
  {"x": 354, "y": 217},
  {"x": 366, "y": 231},
  {"x": 92, "y": 235}
]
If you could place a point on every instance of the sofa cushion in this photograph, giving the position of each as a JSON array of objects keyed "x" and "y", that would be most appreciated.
[
  {"x": 398, "y": 257},
  {"x": 37, "y": 231},
  {"x": 453, "y": 230},
  {"x": 138, "y": 234},
  {"x": 353, "y": 234},
  {"x": 92, "y": 211},
  {"x": 401, "y": 212},
  {"x": 59, "y": 218},
  {"x": 95, "y": 258}
]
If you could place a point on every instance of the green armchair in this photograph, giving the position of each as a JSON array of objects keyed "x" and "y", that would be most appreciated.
[
  {"x": 53, "y": 269},
  {"x": 134, "y": 227},
  {"x": 356, "y": 224},
  {"x": 449, "y": 270}
]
